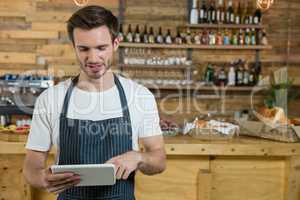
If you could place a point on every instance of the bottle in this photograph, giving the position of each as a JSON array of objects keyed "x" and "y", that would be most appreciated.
[
  {"x": 129, "y": 35},
  {"x": 247, "y": 37},
  {"x": 197, "y": 38},
  {"x": 168, "y": 37},
  {"x": 246, "y": 75},
  {"x": 238, "y": 14},
  {"x": 145, "y": 35},
  {"x": 121, "y": 33},
  {"x": 203, "y": 13},
  {"x": 252, "y": 80},
  {"x": 257, "y": 71},
  {"x": 151, "y": 37},
  {"x": 264, "y": 40},
  {"x": 159, "y": 37},
  {"x": 241, "y": 37},
  {"x": 209, "y": 74},
  {"x": 249, "y": 13},
  {"x": 188, "y": 37},
  {"x": 212, "y": 38},
  {"x": 234, "y": 40},
  {"x": 204, "y": 38},
  {"x": 194, "y": 15},
  {"x": 244, "y": 13},
  {"x": 137, "y": 36},
  {"x": 226, "y": 39},
  {"x": 222, "y": 78},
  {"x": 257, "y": 16},
  {"x": 230, "y": 13},
  {"x": 239, "y": 74},
  {"x": 211, "y": 13},
  {"x": 178, "y": 39},
  {"x": 253, "y": 37},
  {"x": 219, "y": 38},
  {"x": 231, "y": 76},
  {"x": 220, "y": 13}
]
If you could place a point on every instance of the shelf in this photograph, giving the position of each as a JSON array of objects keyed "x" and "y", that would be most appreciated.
[
  {"x": 16, "y": 110},
  {"x": 156, "y": 66},
  {"x": 195, "y": 46},
  {"x": 199, "y": 87},
  {"x": 229, "y": 26}
]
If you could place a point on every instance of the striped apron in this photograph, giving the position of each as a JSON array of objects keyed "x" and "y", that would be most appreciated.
[{"x": 94, "y": 142}]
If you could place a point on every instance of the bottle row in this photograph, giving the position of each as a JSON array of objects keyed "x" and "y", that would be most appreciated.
[
  {"x": 222, "y": 12},
  {"x": 239, "y": 74},
  {"x": 205, "y": 37}
]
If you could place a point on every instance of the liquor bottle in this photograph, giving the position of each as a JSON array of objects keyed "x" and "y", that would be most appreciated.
[
  {"x": 226, "y": 39},
  {"x": 252, "y": 80},
  {"x": 129, "y": 35},
  {"x": 244, "y": 14},
  {"x": 257, "y": 16},
  {"x": 239, "y": 73},
  {"x": 188, "y": 37},
  {"x": 264, "y": 40},
  {"x": 246, "y": 74},
  {"x": 168, "y": 37},
  {"x": 253, "y": 37},
  {"x": 194, "y": 15},
  {"x": 178, "y": 39},
  {"x": 121, "y": 33},
  {"x": 204, "y": 38},
  {"x": 159, "y": 38},
  {"x": 145, "y": 35},
  {"x": 250, "y": 12},
  {"x": 257, "y": 71},
  {"x": 211, "y": 13},
  {"x": 137, "y": 36},
  {"x": 219, "y": 38},
  {"x": 203, "y": 13},
  {"x": 247, "y": 37},
  {"x": 241, "y": 38},
  {"x": 151, "y": 37},
  {"x": 197, "y": 38},
  {"x": 238, "y": 14},
  {"x": 212, "y": 38},
  {"x": 231, "y": 76},
  {"x": 222, "y": 78},
  {"x": 229, "y": 13},
  {"x": 234, "y": 39},
  {"x": 209, "y": 74},
  {"x": 220, "y": 15}
]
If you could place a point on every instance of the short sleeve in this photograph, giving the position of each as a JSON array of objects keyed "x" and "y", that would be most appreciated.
[
  {"x": 149, "y": 122},
  {"x": 39, "y": 138}
]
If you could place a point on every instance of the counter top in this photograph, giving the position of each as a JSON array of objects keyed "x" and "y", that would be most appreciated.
[{"x": 186, "y": 145}]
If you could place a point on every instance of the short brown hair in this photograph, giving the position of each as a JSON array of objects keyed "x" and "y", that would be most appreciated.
[{"x": 90, "y": 17}]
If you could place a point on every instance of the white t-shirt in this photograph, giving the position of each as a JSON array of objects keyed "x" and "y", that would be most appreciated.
[{"x": 95, "y": 106}]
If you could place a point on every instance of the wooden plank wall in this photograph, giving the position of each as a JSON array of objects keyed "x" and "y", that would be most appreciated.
[{"x": 33, "y": 37}]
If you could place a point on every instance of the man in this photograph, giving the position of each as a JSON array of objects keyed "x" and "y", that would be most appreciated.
[{"x": 98, "y": 117}]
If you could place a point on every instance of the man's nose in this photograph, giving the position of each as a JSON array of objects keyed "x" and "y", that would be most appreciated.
[{"x": 92, "y": 56}]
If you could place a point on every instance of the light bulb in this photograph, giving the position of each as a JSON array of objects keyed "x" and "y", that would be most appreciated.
[{"x": 81, "y": 2}]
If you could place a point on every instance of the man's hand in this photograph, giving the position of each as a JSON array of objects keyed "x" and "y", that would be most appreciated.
[
  {"x": 126, "y": 163},
  {"x": 57, "y": 183}
]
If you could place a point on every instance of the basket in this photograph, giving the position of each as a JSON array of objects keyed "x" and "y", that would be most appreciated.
[{"x": 10, "y": 136}]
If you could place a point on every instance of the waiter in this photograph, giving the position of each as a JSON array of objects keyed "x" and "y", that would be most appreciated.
[{"x": 97, "y": 117}]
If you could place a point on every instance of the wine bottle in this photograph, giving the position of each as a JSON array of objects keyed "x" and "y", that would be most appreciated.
[
  {"x": 151, "y": 36},
  {"x": 257, "y": 16},
  {"x": 229, "y": 13},
  {"x": 129, "y": 35},
  {"x": 145, "y": 35},
  {"x": 168, "y": 38},
  {"x": 159, "y": 37},
  {"x": 121, "y": 33},
  {"x": 137, "y": 36},
  {"x": 238, "y": 14},
  {"x": 211, "y": 13},
  {"x": 203, "y": 13},
  {"x": 178, "y": 39},
  {"x": 194, "y": 15}
]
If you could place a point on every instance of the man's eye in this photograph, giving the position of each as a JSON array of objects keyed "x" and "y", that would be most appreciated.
[
  {"x": 101, "y": 48},
  {"x": 83, "y": 49}
]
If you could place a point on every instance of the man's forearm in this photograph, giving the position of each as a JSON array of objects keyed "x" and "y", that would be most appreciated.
[
  {"x": 34, "y": 176},
  {"x": 153, "y": 162}
]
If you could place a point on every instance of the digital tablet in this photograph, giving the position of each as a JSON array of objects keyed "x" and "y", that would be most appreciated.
[{"x": 91, "y": 174}]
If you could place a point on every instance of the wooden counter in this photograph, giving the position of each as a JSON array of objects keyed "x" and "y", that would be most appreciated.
[{"x": 243, "y": 168}]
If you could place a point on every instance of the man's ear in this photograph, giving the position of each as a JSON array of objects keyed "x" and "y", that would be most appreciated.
[{"x": 116, "y": 43}]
